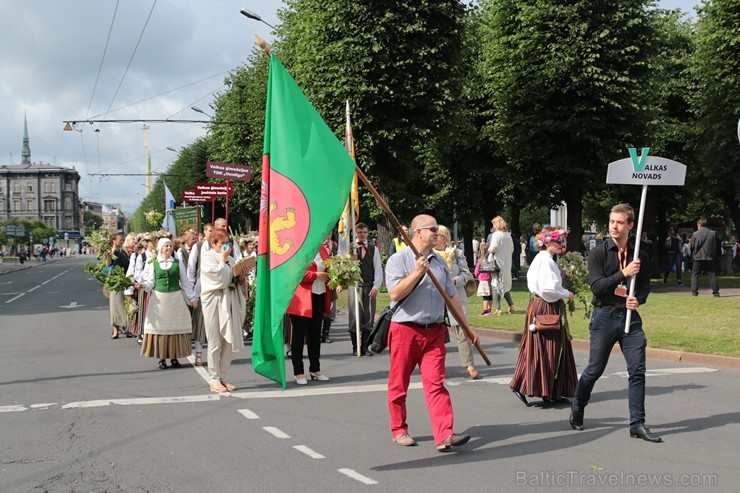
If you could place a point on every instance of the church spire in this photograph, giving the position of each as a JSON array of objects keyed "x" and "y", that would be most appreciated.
[{"x": 26, "y": 152}]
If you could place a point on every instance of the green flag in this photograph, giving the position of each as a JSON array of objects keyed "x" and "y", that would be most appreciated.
[{"x": 306, "y": 178}]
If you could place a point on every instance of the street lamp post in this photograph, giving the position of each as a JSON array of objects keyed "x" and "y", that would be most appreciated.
[{"x": 252, "y": 15}]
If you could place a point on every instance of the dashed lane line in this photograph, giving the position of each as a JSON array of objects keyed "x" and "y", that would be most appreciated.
[
  {"x": 309, "y": 452},
  {"x": 15, "y": 298},
  {"x": 248, "y": 414},
  {"x": 351, "y": 473},
  {"x": 276, "y": 432}
]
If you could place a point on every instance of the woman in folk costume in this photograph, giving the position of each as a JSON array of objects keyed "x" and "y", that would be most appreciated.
[
  {"x": 224, "y": 309},
  {"x": 545, "y": 366},
  {"x": 311, "y": 301},
  {"x": 460, "y": 274},
  {"x": 167, "y": 323},
  {"x": 502, "y": 247},
  {"x": 135, "y": 272}
]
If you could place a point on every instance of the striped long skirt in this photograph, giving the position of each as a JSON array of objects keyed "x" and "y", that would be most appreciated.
[
  {"x": 136, "y": 323},
  {"x": 199, "y": 330},
  {"x": 545, "y": 366}
]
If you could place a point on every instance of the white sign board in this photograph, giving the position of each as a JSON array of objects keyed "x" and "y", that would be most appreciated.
[{"x": 647, "y": 170}]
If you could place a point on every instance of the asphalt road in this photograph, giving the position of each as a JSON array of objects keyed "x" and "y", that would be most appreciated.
[{"x": 82, "y": 412}]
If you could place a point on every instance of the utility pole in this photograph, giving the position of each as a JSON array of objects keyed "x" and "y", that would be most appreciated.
[{"x": 148, "y": 162}]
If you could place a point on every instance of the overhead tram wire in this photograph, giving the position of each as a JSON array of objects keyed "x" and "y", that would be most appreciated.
[
  {"x": 105, "y": 50},
  {"x": 141, "y": 35},
  {"x": 163, "y": 93}
]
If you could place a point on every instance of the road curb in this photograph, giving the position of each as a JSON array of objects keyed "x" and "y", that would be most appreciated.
[{"x": 652, "y": 353}]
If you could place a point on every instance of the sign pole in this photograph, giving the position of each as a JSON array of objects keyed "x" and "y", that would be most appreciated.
[
  {"x": 213, "y": 210},
  {"x": 227, "y": 202},
  {"x": 638, "y": 234}
]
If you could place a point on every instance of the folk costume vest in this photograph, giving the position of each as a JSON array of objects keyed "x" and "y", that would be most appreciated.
[{"x": 167, "y": 280}]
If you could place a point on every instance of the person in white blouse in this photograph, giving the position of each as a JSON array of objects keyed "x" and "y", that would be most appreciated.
[
  {"x": 224, "y": 309},
  {"x": 545, "y": 366},
  {"x": 167, "y": 323}
]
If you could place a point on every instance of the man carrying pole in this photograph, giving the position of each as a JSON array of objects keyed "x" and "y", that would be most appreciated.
[{"x": 417, "y": 334}]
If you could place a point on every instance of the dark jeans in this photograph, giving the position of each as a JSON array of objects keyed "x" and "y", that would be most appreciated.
[
  {"x": 607, "y": 328},
  {"x": 308, "y": 330},
  {"x": 708, "y": 267},
  {"x": 673, "y": 258}
]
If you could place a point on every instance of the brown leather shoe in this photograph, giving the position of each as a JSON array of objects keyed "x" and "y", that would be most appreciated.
[
  {"x": 405, "y": 440},
  {"x": 453, "y": 441},
  {"x": 228, "y": 386},
  {"x": 218, "y": 387}
]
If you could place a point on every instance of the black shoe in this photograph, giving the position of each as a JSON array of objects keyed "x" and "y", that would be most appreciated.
[
  {"x": 642, "y": 431},
  {"x": 366, "y": 353},
  {"x": 716, "y": 295},
  {"x": 175, "y": 364},
  {"x": 326, "y": 340},
  {"x": 576, "y": 418},
  {"x": 162, "y": 364},
  {"x": 521, "y": 397}
]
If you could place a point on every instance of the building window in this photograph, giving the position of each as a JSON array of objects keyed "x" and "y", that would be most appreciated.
[
  {"x": 16, "y": 188},
  {"x": 2, "y": 204},
  {"x": 17, "y": 205},
  {"x": 68, "y": 187},
  {"x": 29, "y": 205},
  {"x": 49, "y": 205},
  {"x": 50, "y": 221},
  {"x": 29, "y": 187},
  {"x": 67, "y": 203},
  {"x": 67, "y": 223}
]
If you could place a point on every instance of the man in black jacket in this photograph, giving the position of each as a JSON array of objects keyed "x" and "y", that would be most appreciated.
[
  {"x": 705, "y": 249},
  {"x": 609, "y": 269}
]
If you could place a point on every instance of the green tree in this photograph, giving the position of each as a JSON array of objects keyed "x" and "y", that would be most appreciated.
[
  {"x": 91, "y": 220},
  {"x": 716, "y": 101},
  {"x": 244, "y": 102},
  {"x": 398, "y": 64},
  {"x": 564, "y": 80}
]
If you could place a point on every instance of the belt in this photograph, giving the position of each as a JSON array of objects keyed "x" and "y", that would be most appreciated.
[
  {"x": 414, "y": 325},
  {"x": 612, "y": 308}
]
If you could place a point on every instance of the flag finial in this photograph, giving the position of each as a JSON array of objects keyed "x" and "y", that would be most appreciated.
[{"x": 262, "y": 44}]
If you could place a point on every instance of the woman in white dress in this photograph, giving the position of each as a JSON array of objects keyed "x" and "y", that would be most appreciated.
[
  {"x": 224, "y": 309},
  {"x": 167, "y": 325},
  {"x": 502, "y": 248}
]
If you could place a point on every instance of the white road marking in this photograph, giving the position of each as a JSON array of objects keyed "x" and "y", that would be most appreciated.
[
  {"x": 72, "y": 304},
  {"x": 12, "y": 409},
  {"x": 310, "y": 392},
  {"x": 13, "y": 299},
  {"x": 43, "y": 405},
  {"x": 48, "y": 280},
  {"x": 248, "y": 414},
  {"x": 141, "y": 400},
  {"x": 33, "y": 288},
  {"x": 200, "y": 370},
  {"x": 276, "y": 432},
  {"x": 351, "y": 473},
  {"x": 309, "y": 452},
  {"x": 670, "y": 371}
]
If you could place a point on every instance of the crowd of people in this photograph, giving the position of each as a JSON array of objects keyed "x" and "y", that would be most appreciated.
[{"x": 187, "y": 293}]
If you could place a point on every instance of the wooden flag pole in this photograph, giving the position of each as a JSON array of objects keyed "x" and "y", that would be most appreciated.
[
  {"x": 458, "y": 316},
  {"x": 262, "y": 44}
]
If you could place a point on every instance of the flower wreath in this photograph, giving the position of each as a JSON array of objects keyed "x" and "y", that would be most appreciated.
[{"x": 554, "y": 235}]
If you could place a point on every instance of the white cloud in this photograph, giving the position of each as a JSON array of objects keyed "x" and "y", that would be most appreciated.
[{"x": 50, "y": 59}]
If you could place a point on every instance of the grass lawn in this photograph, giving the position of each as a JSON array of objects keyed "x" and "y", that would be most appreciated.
[{"x": 672, "y": 321}]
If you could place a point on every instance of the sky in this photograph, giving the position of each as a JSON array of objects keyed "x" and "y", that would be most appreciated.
[{"x": 66, "y": 60}]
